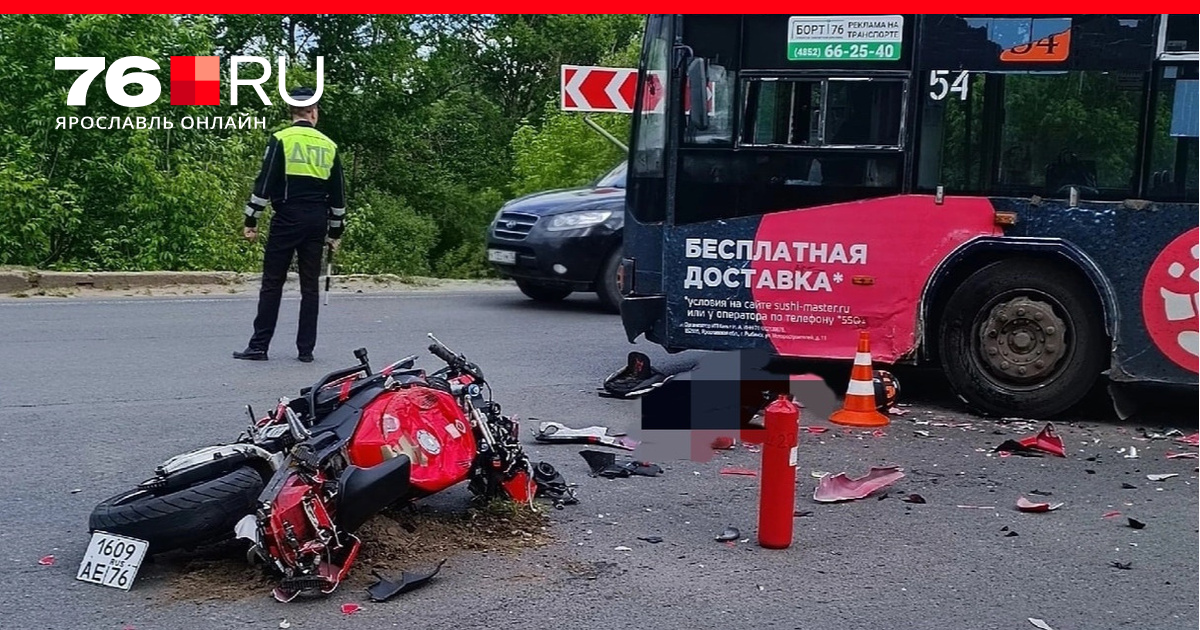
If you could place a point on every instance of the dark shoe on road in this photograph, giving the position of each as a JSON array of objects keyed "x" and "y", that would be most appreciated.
[
  {"x": 305, "y": 357},
  {"x": 251, "y": 355}
]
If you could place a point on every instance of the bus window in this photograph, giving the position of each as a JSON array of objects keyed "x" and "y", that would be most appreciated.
[
  {"x": 834, "y": 112},
  {"x": 652, "y": 128},
  {"x": 1034, "y": 133},
  {"x": 1173, "y": 171}
]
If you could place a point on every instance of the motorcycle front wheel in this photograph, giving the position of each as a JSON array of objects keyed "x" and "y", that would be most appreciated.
[{"x": 200, "y": 514}]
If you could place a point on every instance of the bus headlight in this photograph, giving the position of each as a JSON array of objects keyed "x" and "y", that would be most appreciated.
[{"x": 576, "y": 220}]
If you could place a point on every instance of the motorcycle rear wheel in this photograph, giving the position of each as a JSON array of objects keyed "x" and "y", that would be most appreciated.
[{"x": 200, "y": 514}]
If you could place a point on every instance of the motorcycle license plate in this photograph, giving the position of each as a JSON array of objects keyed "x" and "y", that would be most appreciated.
[
  {"x": 112, "y": 560},
  {"x": 502, "y": 256}
]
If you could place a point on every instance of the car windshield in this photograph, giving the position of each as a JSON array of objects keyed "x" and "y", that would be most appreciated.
[{"x": 614, "y": 178}]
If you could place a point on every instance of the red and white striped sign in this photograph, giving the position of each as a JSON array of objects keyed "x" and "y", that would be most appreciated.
[{"x": 597, "y": 89}]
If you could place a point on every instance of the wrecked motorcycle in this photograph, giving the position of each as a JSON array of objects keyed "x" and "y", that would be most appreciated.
[{"x": 352, "y": 444}]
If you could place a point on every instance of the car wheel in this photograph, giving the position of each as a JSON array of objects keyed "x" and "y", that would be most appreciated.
[
  {"x": 607, "y": 288},
  {"x": 540, "y": 293},
  {"x": 1023, "y": 338}
]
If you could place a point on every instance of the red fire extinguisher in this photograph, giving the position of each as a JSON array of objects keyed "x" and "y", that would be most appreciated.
[{"x": 777, "y": 496}]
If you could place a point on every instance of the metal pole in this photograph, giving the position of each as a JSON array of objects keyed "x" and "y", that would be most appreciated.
[{"x": 604, "y": 132}]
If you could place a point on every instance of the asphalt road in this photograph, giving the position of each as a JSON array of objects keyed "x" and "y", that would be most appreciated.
[{"x": 94, "y": 393}]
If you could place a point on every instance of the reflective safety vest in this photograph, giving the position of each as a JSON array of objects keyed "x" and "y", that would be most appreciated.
[{"x": 307, "y": 152}]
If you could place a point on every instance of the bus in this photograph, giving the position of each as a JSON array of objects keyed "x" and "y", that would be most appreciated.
[{"x": 1013, "y": 198}]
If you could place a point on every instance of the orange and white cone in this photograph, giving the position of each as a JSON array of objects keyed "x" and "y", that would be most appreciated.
[{"x": 858, "y": 409}]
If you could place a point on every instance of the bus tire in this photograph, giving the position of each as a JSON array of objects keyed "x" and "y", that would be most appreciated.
[
  {"x": 1023, "y": 338},
  {"x": 607, "y": 288}
]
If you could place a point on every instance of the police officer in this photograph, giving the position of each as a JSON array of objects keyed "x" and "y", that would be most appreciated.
[{"x": 301, "y": 177}]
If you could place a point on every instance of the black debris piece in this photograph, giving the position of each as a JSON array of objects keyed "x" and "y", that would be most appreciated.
[
  {"x": 1089, "y": 471},
  {"x": 1041, "y": 493},
  {"x": 1128, "y": 486},
  {"x": 800, "y": 514},
  {"x": 1092, "y": 458},
  {"x": 913, "y": 498},
  {"x": 551, "y": 485},
  {"x": 1011, "y": 534},
  {"x": 635, "y": 379},
  {"x": 1124, "y": 566},
  {"x": 1136, "y": 524},
  {"x": 730, "y": 534},
  {"x": 606, "y": 465},
  {"x": 386, "y": 589},
  {"x": 653, "y": 540}
]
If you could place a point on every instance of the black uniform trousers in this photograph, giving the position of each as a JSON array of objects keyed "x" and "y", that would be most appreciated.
[{"x": 298, "y": 232}]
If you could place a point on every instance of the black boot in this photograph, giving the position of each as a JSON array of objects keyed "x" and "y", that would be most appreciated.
[{"x": 250, "y": 354}]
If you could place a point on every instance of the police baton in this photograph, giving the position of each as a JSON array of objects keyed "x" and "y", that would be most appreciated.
[{"x": 328, "y": 270}]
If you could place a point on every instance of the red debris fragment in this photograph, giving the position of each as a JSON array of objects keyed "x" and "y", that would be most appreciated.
[
  {"x": 1193, "y": 439},
  {"x": 878, "y": 433},
  {"x": 734, "y": 470},
  {"x": 722, "y": 443},
  {"x": 814, "y": 429},
  {"x": 839, "y": 487},
  {"x": 1025, "y": 505},
  {"x": 46, "y": 561},
  {"x": 1046, "y": 440},
  {"x": 1111, "y": 514},
  {"x": 351, "y": 608},
  {"x": 1171, "y": 455}
]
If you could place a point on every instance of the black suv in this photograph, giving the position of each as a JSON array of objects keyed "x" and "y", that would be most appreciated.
[{"x": 557, "y": 242}]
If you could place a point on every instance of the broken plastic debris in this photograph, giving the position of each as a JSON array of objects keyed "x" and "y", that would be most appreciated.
[
  {"x": 654, "y": 540},
  {"x": 1025, "y": 505},
  {"x": 913, "y": 498},
  {"x": 839, "y": 487},
  {"x": 1041, "y": 493},
  {"x": 1010, "y": 533},
  {"x": 605, "y": 465},
  {"x": 896, "y": 411},
  {"x": 977, "y": 507},
  {"x": 555, "y": 432},
  {"x": 1111, "y": 514},
  {"x": 814, "y": 429},
  {"x": 1171, "y": 455},
  {"x": 1193, "y": 439},
  {"x": 351, "y": 608},
  {"x": 46, "y": 560},
  {"x": 1041, "y": 625},
  {"x": 817, "y": 474},
  {"x": 730, "y": 534},
  {"x": 386, "y": 589},
  {"x": 799, "y": 513},
  {"x": 622, "y": 548},
  {"x": 735, "y": 470},
  {"x": 1128, "y": 486},
  {"x": 722, "y": 443},
  {"x": 1132, "y": 454},
  {"x": 1136, "y": 524},
  {"x": 77, "y": 491},
  {"x": 878, "y": 433},
  {"x": 1161, "y": 477},
  {"x": 285, "y": 624},
  {"x": 1125, "y": 566},
  {"x": 921, "y": 433},
  {"x": 1046, "y": 440}
]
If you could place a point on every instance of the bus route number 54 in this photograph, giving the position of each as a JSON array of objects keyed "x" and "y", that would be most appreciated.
[{"x": 941, "y": 86}]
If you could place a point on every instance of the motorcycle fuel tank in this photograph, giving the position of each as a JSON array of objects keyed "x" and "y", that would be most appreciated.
[{"x": 424, "y": 424}]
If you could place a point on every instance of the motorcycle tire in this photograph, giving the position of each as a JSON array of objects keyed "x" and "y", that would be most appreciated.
[{"x": 200, "y": 514}]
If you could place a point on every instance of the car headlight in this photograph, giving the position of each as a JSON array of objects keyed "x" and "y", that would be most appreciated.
[{"x": 576, "y": 220}]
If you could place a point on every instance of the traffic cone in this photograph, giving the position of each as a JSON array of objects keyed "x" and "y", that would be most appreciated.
[{"x": 858, "y": 409}]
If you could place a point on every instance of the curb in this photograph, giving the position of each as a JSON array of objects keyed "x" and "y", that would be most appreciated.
[{"x": 123, "y": 280}]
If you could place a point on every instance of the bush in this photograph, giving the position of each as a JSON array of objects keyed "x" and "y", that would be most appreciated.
[{"x": 384, "y": 235}]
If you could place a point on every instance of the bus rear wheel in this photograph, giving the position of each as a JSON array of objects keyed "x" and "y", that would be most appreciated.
[{"x": 1022, "y": 338}]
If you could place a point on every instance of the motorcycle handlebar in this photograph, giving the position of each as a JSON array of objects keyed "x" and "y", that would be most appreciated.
[{"x": 455, "y": 361}]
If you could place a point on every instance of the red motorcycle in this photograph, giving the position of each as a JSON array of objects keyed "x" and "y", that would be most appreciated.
[{"x": 354, "y": 443}]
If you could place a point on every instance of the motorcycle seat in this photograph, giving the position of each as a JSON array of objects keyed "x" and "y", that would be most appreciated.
[{"x": 343, "y": 419}]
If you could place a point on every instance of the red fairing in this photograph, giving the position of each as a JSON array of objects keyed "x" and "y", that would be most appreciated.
[
  {"x": 424, "y": 424},
  {"x": 287, "y": 512},
  {"x": 863, "y": 274}
]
